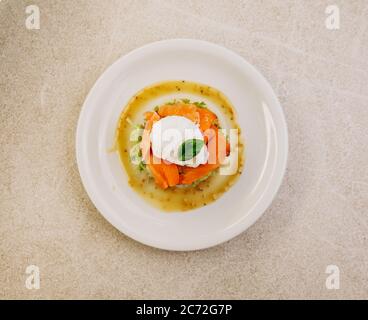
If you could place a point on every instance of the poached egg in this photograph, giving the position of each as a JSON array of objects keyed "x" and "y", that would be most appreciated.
[{"x": 167, "y": 136}]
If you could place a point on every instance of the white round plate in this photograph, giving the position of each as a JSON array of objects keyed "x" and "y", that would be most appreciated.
[{"x": 260, "y": 117}]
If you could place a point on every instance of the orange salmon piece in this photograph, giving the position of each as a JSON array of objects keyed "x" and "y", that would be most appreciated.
[
  {"x": 206, "y": 118},
  {"x": 188, "y": 111}
]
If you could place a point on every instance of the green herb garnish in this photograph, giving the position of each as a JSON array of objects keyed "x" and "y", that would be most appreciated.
[
  {"x": 141, "y": 166},
  {"x": 171, "y": 102},
  {"x": 136, "y": 134},
  {"x": 200, "y": 104},
  {"x": 189, "y": 149}
]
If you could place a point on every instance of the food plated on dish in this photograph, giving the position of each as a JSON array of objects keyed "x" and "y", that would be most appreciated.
[
  {"x": 180, "y": 144},
  {"x": 128, "y": 96}
]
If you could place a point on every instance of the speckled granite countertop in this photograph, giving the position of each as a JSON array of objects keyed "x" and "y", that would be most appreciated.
[{"x": 319, "y": 218}]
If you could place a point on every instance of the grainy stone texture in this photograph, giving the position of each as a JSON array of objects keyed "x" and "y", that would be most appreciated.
[{"x": 319, "y": 217}]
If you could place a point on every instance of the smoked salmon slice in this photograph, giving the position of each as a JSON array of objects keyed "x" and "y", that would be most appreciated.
[
  {"x": 157, "y": 174},
  {"x": 165, "y": 174},
  {"x": 206, "y": 118},
  {"x": 188, "y": 111},
  {"x": 190, "y": 175}
]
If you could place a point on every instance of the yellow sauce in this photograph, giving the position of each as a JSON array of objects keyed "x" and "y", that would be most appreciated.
[{"x": 175, "y": 198}]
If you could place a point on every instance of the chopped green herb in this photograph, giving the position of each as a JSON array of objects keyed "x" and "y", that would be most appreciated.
[
  {"x": 135, "y": 158},
  {"x": 136, "y": 133},
  {"x": 215, "y": 123},
  {"x": 141, "y": 166},
  {"x": 171, "y": 102},
  {"x": 197, "y": 182},
  {"x": 139, "y": 126},
  {"x": 185, "y": 100},
  {"x": 200, "y": 104}
]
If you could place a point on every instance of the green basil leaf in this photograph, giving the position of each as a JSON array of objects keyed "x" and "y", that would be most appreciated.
[{"x": 189, "y": 149}]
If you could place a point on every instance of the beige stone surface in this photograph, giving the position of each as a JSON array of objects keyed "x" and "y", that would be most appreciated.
[{"x": 319, "y": 217}]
